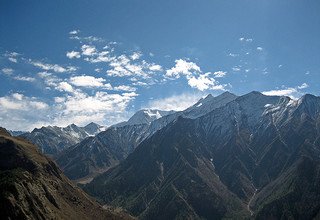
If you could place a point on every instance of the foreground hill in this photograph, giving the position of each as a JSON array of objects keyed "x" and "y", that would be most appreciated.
[
  {"x": 254, "y": 156},
  {"x": 32, "y": 187}
]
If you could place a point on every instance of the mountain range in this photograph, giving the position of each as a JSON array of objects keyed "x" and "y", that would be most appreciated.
[
  {"x": 256, "y": 156},
  {"x": 225, "y": 157},
  {"x": 97, "y": 154}
]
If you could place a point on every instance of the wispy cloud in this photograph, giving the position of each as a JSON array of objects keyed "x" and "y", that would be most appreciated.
[
  {"x": 53, "y": 67},
  {"x": 175, "y": 102},
  {"x": 125, "y": 88},
  {"x": 292, "y": 92},
  {"x": 25, "y": 78},
  {"x": 220, "y": 74},
  {"x": 243, "y": 39}
]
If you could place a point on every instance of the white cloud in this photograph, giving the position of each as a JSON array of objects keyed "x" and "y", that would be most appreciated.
[
  {"x": 103, "y": 56},
  {"x": 292, "y": 92},
  {"x": 73, "y": 54},
  {"x": 196, "y": 79},
  {"x": 20, "y": 112},
  {"x": 49, "y": 79},
  {"x": 7, "y": 71},
  {"x": 12, "y": 56},
  {"x": 123, "y": 67},
  {"x": 204, "y": 82},
  {"x": 125, "y": 88},
  {"x": 87, "y": 81},
  {"x": 74, "y": 32},
  {"x": 136, "y": 55},
  {"x": 12, "y": 59},
  {"x": 59, "y": 99},
  {"x": 17, "y": 96},
  {"x": 236, "y": 69},
  {"x": 24, "y": 78},
  {"x": 303, "y": 86},
  {"x": 233, "y": 55},
  {"x": 175, "y": 102},
  {"x": 102, "y": 107},
  {"x": 155, "y": 67},
  {"x": 53, "y": 67},
  {"x": 259, "y": 48},
  {"x": 243, "y": 39},
  {"x": 182, "y": 67},
  {"x": 88, "y": 50},
  {"x": 219, "y": 74},
  {"x": 281, "y": 92},
  {"x": 64, "y": 86}
]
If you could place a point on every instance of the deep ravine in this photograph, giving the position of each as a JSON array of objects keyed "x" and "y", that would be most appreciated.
[{"x": 251, "y": 199}]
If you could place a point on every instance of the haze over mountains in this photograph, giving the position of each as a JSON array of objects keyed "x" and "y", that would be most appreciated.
[{"x": 251, "y": 156}]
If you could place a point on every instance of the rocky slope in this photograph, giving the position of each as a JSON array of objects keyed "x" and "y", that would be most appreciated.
[
  {"x": 33, "y": 187},
  {"x": 256, "y": 155}
]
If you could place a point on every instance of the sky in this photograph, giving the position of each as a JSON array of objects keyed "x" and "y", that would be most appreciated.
[{"x": 78, "y": 61}]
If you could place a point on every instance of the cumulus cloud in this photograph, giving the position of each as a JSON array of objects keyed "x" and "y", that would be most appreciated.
[
  {"x": 175, "y": 102},
  {"x": 259, "y": 49},
  {"x": 136, "y": 55},
  {"x": 64, "y": 86},
  {"x": 89, "y": 81},
  {"x": 182, "y": 67},
  {"x": 196, "y": 79},
  {"x": 204, "y": 82},
  {"x": 88, "y": 50},
  {"x": 7, "y": 71},
  {"x": 73, "y": 54}
]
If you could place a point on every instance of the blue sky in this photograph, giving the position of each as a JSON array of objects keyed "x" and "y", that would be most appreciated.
[{"x": 65, "y": 62}]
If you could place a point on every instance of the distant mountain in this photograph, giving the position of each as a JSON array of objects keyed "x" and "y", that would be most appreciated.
[
  {"x": 33, "y": 187},
  {"x": 254, "y": 156},
  {"x": 53, "y": 139},
  {"x": 97, "y": 154},
  {"x": 16, "y": 133}
]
